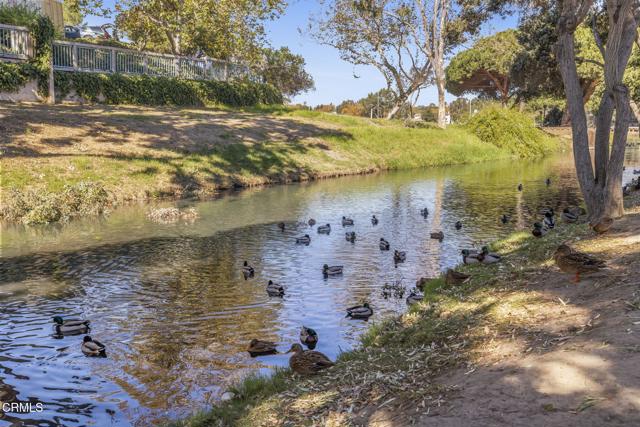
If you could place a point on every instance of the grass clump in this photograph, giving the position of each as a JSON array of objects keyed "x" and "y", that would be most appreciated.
[
  {"x": 34, "y": 206},
  {"x": 511, "y": 130}
]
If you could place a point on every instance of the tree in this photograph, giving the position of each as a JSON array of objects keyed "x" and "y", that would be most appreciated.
[
  {"x": 601, "y": 187},
  {"x": 224, "y": 29},
  {"x": 71, "y": 12},
  {"x": 351, "y": 108},
  {"x": 485, "y": 68},
  {"x": 285, "y": 70},
  {"x": 371, "y": 32}
]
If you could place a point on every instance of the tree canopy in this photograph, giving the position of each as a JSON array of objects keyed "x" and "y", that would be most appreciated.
[
  {"x": 485, "y": 69},
  {"x": 285, "y": 70}
]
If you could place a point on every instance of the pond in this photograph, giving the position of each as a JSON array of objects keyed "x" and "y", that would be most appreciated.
[{"x": 171, "y": 303}]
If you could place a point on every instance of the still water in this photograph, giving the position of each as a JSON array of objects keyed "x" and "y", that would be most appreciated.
[{"x": 175, "y": 312}]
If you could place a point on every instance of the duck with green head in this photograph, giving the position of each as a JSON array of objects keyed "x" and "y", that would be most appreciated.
[{"x": 70, "y": 326}]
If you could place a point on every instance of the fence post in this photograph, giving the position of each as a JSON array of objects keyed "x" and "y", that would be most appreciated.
[
  {"x": 145, "y": 64},
  {"x": 74, "y": 57},
  {"x": 113, "y": 60},
  {"x": 52, "y": 88},
  {"x": 226, "y": 71}
]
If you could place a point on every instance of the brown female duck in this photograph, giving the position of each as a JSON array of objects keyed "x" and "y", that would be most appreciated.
[
  {"x": 574, "y": 262},
  {"x": 307, "y": 362},
  {"x": 261, "y": 348}
]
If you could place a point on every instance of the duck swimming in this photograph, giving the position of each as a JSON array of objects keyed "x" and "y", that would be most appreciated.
[
  {"x": 504, "y": 219},
  {"x": 247, "y": 270},
  {"x": 275, "y": 289},
  {"x": 424, "y": 212},
  {"x": 311, "y": 222},
  {"x": 308, "y": 337},
  {"x": 333, "y": 270},
  {"x": 325, "y": 229},
  {"x": 350, "y": 236},
  {"x": 360, "y": 311},
  {"x": 570, "y": 261},
  {"x": 399, "y": 256},
  {"x": 93, "y": 348},
  {"x": 70, "y": 326},
  {"x": 261, "y": 348},
  {"x": 437, "y": 235},
  {"x": 519, "y": 187},
  {"x": 458, "y": 225},
  {"x": 281, "y": 226},
  {"x": 303, "y": 240},
  {"x": 346, "y": 221},
  {"x": 384, "y": 245},
  {"x": 374, "y": 220},
  {"x": 307, "y": 362},
  {"x": 548, "y": 181}
]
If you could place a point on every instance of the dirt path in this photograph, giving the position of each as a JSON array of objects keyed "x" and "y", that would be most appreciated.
[{"x": 577, "y": 363}]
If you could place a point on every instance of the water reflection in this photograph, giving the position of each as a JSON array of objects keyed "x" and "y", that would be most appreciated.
[{"x": 173, "y": 307}]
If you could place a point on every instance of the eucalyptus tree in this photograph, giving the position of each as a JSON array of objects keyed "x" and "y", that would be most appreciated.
[
  {"x": 407, "y": 41},
  {"x": 615, "y": 28}
]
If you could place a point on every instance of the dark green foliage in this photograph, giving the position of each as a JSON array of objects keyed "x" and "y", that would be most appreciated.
[
  {"x": 13, "y": 76},
  {"x": 145, "y": 90},
  {"x": 553, "y": 117},
  {"x": 512, "y": 130}
]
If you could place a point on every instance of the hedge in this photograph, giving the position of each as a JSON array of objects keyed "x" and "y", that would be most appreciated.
[{"x": 146, "y": 90}]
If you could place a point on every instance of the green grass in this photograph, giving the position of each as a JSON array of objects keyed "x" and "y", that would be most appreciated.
[
  {"x": 327, "y": 145},
  {"x": 449, "y": 316}
]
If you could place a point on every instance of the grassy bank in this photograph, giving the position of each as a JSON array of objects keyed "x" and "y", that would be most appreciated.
[
  {"x": 139, "y": 153},
  {"x": 469, "y": 338}
]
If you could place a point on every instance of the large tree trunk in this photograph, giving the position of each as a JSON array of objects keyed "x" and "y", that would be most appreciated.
[
  {"x": 601, "y": 188},
  {"x": 442, "y": 103},
  {"x": 588, "y": 88}
]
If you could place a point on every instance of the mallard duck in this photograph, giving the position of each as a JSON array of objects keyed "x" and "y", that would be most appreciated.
[
  {"x": 303, "y": 240},
  {"x": 311, "y": 222},
  {"x": 538, "y": 230},
  {"x": 424, "y": 212},
  {"x": 384, "y": 245},
  {"x": 470, "y": 256},
  {"x": 625, "y": 190},
  {"x": 93, "y": 348},
  {"x": 346, "y": 221},
  {"x": 458, "y": 225},
  {"x": 307, "y": 362},
  {"x": 414, "y": 298},
  {"x": 453, "y": 277},
  {"x": 326, "y": 229},
  {"x": 333, "y": 270},
  {"x": 374, "y": 220},
  {"x": 350, "y": 236},
  {"x": 504, "y": 218},
  {"x": 574, "y": 262},
  {"x": 548, "y": 181},
  {"x": 281, "y": 226},
  {"x": 70, "y": 326},
  {"x": 275, "y": 289},
  {"x": 308, "y": 337},
  {"x": 519, "y": 187},
  {"x": 549, "y": 220},
  {"x": 399, "y": 256},
  {"x": 487, "y": 257},
  {"x": 636, "y": 171},
  {"x": 603, "y": 225},
  {"x": 261, "y": 348},
  {"x": 360, "y": 311},
  {"x": 247, "y": 270},
  {"x": 437, "y": 235}
]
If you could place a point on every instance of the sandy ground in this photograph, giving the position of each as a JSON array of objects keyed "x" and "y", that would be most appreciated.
[{"x": 576, "y": 364}]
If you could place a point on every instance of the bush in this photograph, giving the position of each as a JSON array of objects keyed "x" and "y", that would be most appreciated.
[
  {"x": 146, "y": 90},
  {"x": 22, "y": 15},
  {"x": 38, "y": 207},
  {"x": 512, "y": 130}
]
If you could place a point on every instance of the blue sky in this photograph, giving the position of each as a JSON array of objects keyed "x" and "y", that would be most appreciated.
[{"x": 333, "y": 77}]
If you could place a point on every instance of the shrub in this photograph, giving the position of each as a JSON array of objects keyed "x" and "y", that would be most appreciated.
[
  {"x": 146, "y": 90},
  {"x": 39, "y": 207},
  {"x": 512, "y": 130}
]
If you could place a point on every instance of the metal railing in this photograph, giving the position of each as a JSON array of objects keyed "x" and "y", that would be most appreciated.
[
  {"x": 15, "y": 42},
  {"x": 71, "y": 56}
]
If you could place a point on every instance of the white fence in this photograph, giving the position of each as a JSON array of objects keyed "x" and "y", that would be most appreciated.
[{"x": 15, "y": 42}]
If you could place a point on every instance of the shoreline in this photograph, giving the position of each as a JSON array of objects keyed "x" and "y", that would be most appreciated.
[
  {"x": 433, "y": 364},
  {"x": 141, "y": 154}
]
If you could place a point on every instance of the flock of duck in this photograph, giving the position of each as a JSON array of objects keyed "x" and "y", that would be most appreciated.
[{"x": 310, "y": 361}]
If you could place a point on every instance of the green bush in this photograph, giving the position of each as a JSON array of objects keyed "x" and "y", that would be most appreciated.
[
  {"x": 14, "y": 76},
  {"x": 21, "y": 15},
  {"x": 146, "y": 90},
  {"x": 39, "y": 207},
  {"x": 512, "y": 130}
]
